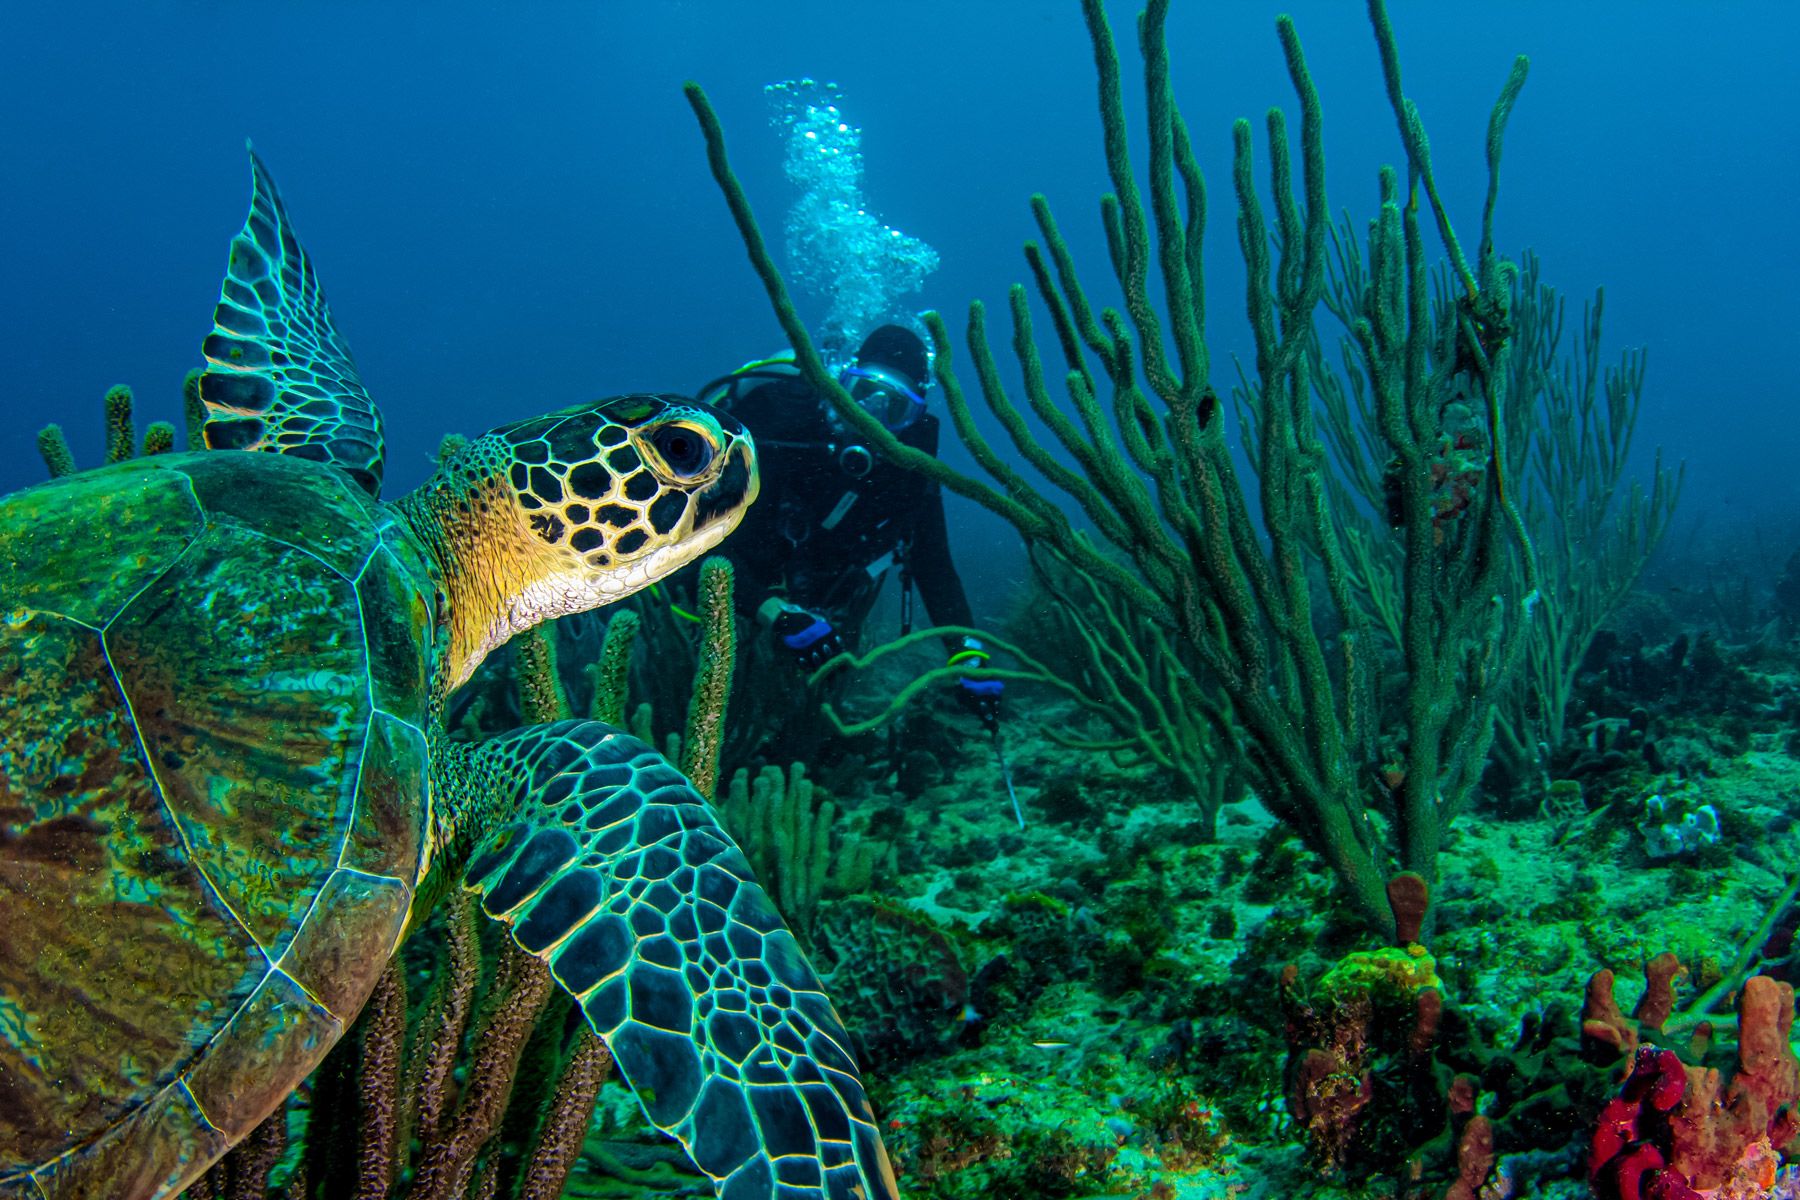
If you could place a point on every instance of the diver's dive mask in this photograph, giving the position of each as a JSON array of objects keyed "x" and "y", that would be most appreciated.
[
  {"x": 884, "y": 395},
  {"x": 725, "y": 391}
]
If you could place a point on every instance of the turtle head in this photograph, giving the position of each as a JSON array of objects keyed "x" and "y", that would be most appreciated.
[{"x": 562, "y": 513}]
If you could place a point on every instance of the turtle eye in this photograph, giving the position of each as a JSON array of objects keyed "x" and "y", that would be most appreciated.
[{"x": 686, "y": 450}]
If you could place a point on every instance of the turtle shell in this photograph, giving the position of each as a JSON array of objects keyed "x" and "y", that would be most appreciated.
[{"x": 214, "y": 677}]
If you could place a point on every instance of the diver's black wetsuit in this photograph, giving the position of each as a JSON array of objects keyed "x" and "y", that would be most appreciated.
[{"x": 822, "y": 537}]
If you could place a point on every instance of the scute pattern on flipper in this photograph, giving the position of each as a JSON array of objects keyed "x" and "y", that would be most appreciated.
[
  {"x": 650, "y": 916},
  {"x": 279, "y": 376}
]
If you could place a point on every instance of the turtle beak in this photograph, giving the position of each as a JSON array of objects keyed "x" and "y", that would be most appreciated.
[{"x": 733, "y": 492}]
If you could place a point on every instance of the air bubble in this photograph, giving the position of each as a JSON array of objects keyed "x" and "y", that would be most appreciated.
[{"x": 839, "y": 250}]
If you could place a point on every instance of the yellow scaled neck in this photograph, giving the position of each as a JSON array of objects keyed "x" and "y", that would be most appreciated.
[
  {"x": 468, "y": 517},
  {"x": 500, "y": 577}
]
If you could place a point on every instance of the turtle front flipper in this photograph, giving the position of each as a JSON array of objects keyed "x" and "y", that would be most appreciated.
[
  {"x": 279, "y": 377},
  {"x": 609, "y": 866}
]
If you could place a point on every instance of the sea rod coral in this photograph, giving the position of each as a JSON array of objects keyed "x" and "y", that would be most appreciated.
[{"x": 1253, "y": 583}]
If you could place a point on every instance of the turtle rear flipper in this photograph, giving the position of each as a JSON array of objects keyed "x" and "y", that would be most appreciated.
[
  {"x": 615, "y": 872},
  {"x": 279, "y": 377}
]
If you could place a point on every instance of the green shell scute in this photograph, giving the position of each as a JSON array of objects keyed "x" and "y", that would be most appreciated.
[
  {"x": 388, "y": 832},
  {"x": 170, "y": 1127},
  {"x": 320, "y": 512},
  {"x": 396, "y": 620},
  {"x": 213, "y": 809},
  {"x": 111, "y": 531},
  {"x": 104, "y": 921},
  {"x": 270, "y": 1037},
  {"x": 250, "y": 701},
  {"x": 356, "y": 918}
]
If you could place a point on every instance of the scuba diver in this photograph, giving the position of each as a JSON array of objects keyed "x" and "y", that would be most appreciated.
[{"x": 834, "y": 519}]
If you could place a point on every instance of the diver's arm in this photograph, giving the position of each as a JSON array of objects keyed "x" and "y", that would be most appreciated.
[
  {"x": 933, "y": 570},
  {"x": 932, "y": 567}
]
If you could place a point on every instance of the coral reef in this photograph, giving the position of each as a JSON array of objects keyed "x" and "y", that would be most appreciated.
[
  {"x": 1354, "y": 767},
  {"x": 1237, "y": 594}
]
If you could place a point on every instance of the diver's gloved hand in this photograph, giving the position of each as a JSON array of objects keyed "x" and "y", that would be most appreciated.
[
  {"x": 979, "y": 696},
  {"x": 982, "y": 697},
  {"x": 806, "y": 635}
]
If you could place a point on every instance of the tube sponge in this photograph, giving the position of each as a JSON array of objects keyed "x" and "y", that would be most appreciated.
[
  {"x": 121, "y": 437},
  {"x": 159, "y": 438},
  {"x": 193, "y": 410},
  {"x": 54, "y": 448}
]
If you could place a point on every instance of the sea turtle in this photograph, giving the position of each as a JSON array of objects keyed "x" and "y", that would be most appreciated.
[{"x": 224, "y": 773}]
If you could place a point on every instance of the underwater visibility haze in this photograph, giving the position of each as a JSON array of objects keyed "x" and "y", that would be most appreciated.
[{"x": 948, "y": 600}]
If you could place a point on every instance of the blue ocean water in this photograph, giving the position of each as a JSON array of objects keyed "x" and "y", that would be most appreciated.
[{"x": 511, "y": 212}]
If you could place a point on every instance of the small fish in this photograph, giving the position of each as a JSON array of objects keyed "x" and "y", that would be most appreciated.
[{"x": 1051, "y": 1045}]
